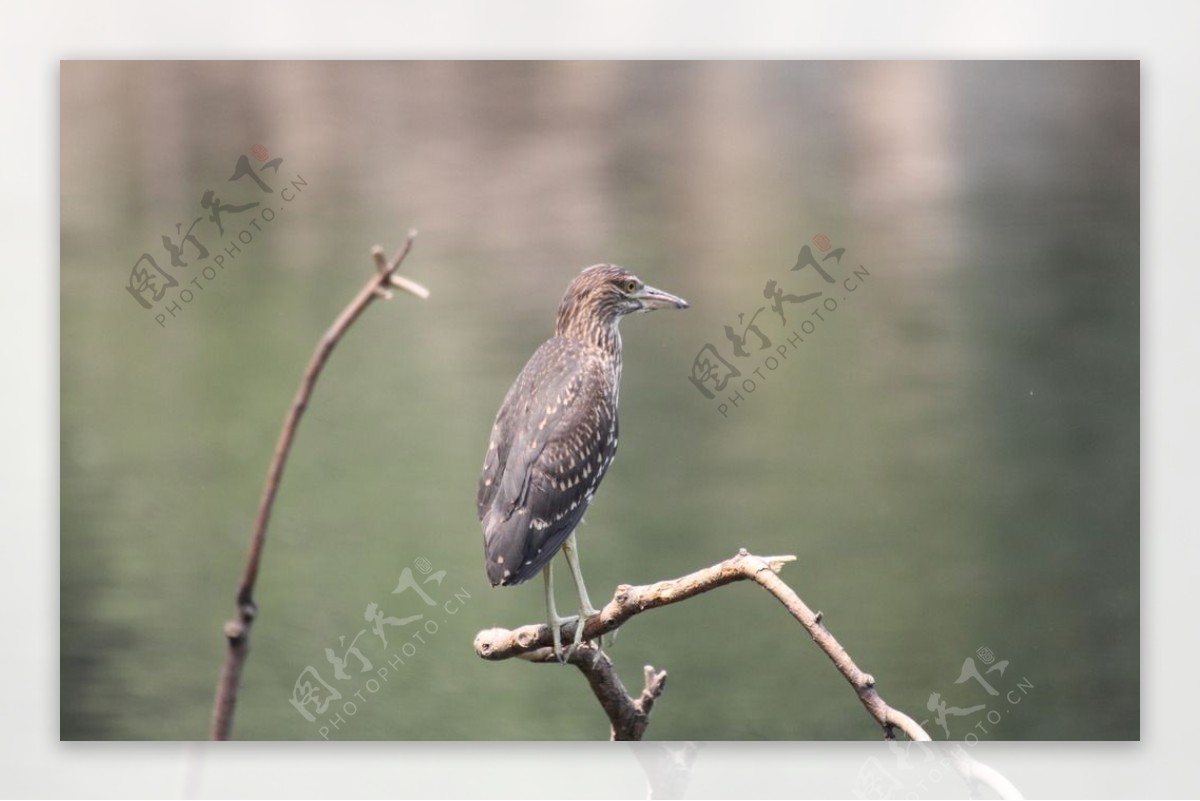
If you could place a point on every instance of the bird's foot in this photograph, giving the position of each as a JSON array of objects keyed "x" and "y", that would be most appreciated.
[
  {"x": 556, "y": 624},
  {"x": 584, "y": 615}
]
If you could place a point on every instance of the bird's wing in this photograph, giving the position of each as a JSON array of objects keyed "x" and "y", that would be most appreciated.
[{"x": 551, "y": 444}]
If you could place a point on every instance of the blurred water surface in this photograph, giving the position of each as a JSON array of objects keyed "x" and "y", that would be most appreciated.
[{"x": 952, "y": 454}]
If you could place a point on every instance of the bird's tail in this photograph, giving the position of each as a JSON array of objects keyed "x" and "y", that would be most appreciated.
[{"x": 502, "y": 555}]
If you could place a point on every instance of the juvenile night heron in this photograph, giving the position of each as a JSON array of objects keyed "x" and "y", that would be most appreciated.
[{"x": 556, "y": 434}]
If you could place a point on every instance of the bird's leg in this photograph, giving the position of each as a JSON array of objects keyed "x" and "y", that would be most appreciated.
[
  {"x": 553, "y": 620},
  {"x": 571, "y": 552}
]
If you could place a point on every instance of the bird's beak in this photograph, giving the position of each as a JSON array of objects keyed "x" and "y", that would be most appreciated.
[{"x": 652, "y": 299}]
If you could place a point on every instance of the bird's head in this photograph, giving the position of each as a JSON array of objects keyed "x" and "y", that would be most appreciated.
[{"x": 604, "y": 293}]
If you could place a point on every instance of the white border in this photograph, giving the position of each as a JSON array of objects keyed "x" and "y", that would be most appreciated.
[{"x": 1162, "y": 36}]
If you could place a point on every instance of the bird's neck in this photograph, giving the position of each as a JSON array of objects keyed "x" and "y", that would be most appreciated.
[{"x": 602, "y": 335}]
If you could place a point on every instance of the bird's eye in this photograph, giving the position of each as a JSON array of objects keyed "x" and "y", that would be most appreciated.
[{"x": 631, "y": 286}]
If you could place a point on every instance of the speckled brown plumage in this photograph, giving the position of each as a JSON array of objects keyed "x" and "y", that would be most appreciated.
[{"x": 556, "y": 432}]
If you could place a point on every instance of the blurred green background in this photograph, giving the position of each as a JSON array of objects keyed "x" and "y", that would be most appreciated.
[{"x": 952, "y": 454}]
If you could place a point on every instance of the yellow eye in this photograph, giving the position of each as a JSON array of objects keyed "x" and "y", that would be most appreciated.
[{"x": 631, "y": 286}]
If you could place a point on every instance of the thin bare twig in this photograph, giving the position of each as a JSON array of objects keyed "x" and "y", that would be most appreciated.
[
  {"x": 533, "y": 641},
  {"x": 237, "y": 630}
]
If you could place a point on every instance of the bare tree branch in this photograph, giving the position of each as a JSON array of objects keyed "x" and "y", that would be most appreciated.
[
  {"x": 534, "y": 641},
  {"x": 629, "y": 716},
  {"x": 237, "y": 630}
]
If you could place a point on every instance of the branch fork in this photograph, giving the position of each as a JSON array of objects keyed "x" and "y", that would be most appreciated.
[
  {"x": 629, "y": 716},
  {"x": 387, "y": 271}
]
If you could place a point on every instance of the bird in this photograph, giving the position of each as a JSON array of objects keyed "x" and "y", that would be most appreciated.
[{"x": 555, "y": 436}]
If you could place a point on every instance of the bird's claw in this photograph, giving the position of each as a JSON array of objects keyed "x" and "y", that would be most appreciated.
[
  {"x": 563, "y": 655},
  {"x": 581, "y": 619},
  {"x": 556, "y": 626}
]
